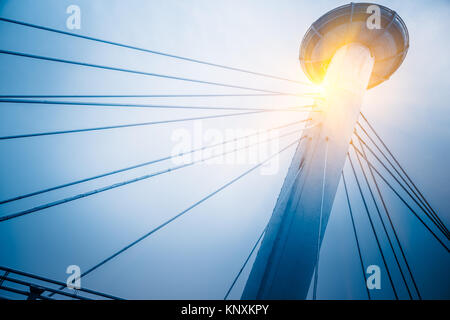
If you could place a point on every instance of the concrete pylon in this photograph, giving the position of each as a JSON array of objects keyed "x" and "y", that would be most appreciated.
[
  {"x": 347, "y": 55},
  {"x": 285, "y": 262}
]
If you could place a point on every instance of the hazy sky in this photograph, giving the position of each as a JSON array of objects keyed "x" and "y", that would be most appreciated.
[{"x": 199, "y": 255}]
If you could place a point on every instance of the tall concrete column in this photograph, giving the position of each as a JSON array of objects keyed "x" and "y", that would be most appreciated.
[{"x": 285, "y": 262}]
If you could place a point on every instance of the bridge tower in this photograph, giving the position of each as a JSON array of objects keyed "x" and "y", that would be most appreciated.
[{"x": 348, "y": 50}]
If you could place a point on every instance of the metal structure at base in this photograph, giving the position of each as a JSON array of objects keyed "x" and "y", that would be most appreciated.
[
  {"x": 289, "y": 252},
  {"x": 22, "y": 285}
]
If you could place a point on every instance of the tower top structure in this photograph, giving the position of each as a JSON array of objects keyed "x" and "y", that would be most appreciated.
[{"x": 378, "y": 28}]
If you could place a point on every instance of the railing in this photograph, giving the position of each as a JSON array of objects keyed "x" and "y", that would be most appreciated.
[{"x": 18, "y": 285}]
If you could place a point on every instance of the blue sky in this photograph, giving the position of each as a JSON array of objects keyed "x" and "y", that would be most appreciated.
[{"x": 198, "y": 255}]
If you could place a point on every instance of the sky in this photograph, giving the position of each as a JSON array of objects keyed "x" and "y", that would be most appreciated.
[{"x": 198, "y": 256}]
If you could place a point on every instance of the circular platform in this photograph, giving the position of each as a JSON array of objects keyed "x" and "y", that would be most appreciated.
[{"x": 348, "y": 24}]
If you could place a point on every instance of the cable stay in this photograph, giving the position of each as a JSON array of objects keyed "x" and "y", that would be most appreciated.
[
  {"x": 401, "y": 198},
  {"x": 131, "y": 71},
  {"x": 391, "y": 165},
  {"x": 424, "y": 207},
  {"x": 140, "y": 124},
  {"x": 143, "y": 164},
  {"x": 384, "y": 226},
  {"x": 152, "y": 51},
  {"x": 373, "y": 227},
  {"x": 356, "y": 236},
  {"x": 431, "y": 214},
  {"x": 185, "y": 211},
  {"x": 304, "y": 108},
  {"x": 394, "y": 158},
  {"x": 307, "y": 95},
  {"x": 127, "y": 182},
  {"x": 407, "y": 192},
  {"x": 319, "y": 231},
  {"x": 391, "y": 224},
  {"x": 245, "y": 263},
  {"x": 426, "y": 203}
]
